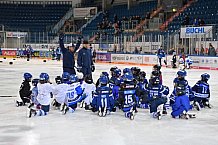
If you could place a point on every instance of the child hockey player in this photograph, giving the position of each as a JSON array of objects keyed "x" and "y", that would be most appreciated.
[
  {"x": 103, "y": 101},
  {"x": 34, "y": 94},
  {"x": 181, "y": 74},
  {"x": 173, "y": 61},
  {"x": 201, "y": 92},
  {"x": 142, "y": 82},
  {"x": 127, "y": 96},
  {"x": 73, "y": 96},
  {"x": 181, "y": 105},
  {"x": 89, "y": 88},
  {"x": 44, "y": 96},
  {"x": 25, "y": 90},
  {"x": 135, "y": 73},
  {"x": 155, "y": 96},
  {"x": 157, "y": 72},
  {"x": 60, "y": 91},
  {"x": 160, "y": 55},
  {"x": 181, "y": 62},
  {"x": 188, "y": 62},
  {"x": 116, "y": 74}
]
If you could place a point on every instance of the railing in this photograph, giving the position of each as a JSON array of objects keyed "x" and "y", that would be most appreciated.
[
  {"x": 60, "y": 24},
  {"x": 89, "y": 21}
]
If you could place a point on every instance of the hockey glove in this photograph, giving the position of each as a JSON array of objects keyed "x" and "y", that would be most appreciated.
[
  {"x": 93, "y": 68},
  {"x": 79, "y": 40},
  {"x": 79, "y": 69},
  {"x": 61, "y": 36}
]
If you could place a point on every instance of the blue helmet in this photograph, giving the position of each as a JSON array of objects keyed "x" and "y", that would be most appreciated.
[
  {"x": 27, "y": 76},
  {"x": 35, "y": 82},
  {"x": 65, "y": 76},
  {"x": 113, "y": 68},
  {"x": 127, "y": 70},
  {"x": 128, "y": 77},
  {"x": 43, "y": 77},
  {"x": 118, "y": 82},
  {"x": 104, "y": 73},
  {"x": 182, "y": 73},
  {"x": 117, "y": 72},
  {"x": 103, "y": 80},
  {"x": 205, "y": 77},
  {"x": 73, "y": 78}
]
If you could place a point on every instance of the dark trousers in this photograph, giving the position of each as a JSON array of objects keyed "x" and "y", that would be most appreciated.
[
  {"x": 155, "y": 103},
  {"x": 58, "y": 56},
  {"x": 25, "y": 99},
  {"x": 86, "y": 72},
  {"x": 69, "y": 70}
]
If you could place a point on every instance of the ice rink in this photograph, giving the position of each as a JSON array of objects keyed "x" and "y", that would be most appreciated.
[{"x": 86, "y": 128}]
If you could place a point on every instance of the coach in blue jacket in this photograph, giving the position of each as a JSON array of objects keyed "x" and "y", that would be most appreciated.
[
  {"x": 68, "y": 55},
  {"x": 84, "y": 60}
]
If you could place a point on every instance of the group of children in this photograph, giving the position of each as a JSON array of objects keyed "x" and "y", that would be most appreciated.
[{"x": 127, "y": 90}]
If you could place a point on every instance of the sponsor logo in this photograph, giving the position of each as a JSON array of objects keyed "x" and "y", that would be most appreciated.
[
  {"x": 9, "y": 52},
  {"x": 194, "y": 30},
  {"x": 118, "y": 58},
  {"x": 102, "y": 57},
  {"x": 146, "y": 59}
]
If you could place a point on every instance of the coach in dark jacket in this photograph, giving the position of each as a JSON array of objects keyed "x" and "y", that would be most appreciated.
[
  {"x": 84, "y": 60},
  {"x": 68, "y": 55}
]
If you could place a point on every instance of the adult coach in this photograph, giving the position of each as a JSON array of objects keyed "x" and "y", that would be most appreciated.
[
  {"x": 68, "y": 55},
  {"x": 84, "y": 61}
]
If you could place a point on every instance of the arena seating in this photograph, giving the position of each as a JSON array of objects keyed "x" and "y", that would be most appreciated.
[
  {"x": 31, "y": 17},
  {"x": 120, "y": 10},
  {"x": 202, "y": 9}
]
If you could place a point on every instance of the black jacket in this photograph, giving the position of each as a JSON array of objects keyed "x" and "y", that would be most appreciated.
[{"x": 68, "y": 56}]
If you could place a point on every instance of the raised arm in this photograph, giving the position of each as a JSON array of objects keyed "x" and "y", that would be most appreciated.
[{"x": 61, "y": 42}]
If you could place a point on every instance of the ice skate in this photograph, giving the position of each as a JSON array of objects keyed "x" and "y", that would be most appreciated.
[
  {"x": 30, "y": 112},
  {"x": 66, "y": 108},
  {"x": 132, "y": 114},
  {"x": 191, "y": 115},
  {"x": 197, "y": 106},
  {"x": 87, "y": 107},
  {"x": 208, "y": 105},
  {"x": 104, "y": 111},
  {"x": 62, "y": 107},
  {"x": 159, "y": 116},
  {"x": 18, "y": 103},
  {"x": 82, "y": 104},
  {"x": 100, "y": 112},
  {"x": 184, "y": 116}
]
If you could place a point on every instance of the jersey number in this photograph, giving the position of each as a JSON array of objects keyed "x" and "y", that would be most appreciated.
[{"x": 128, "y": 99}]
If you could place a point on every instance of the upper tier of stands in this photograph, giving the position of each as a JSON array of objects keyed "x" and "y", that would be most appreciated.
[
  {"x": 202, "y": 9},
  {"x": 31, "y": 17},
  {"x": 121, "y": 11}
]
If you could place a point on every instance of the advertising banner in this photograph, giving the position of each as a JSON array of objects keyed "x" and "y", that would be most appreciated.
[
  {"x": 45, "y": 54},
  {"x": 192, "y": 32},
  {"x": 150, "y": 59},
  {"x": 118, "y": 58},
  {"x": 131, "y": 58},
  {"x": 9, "y": 52},
  {"x": 104, "y": 56},
  {"x": 16, "y": 34},
  {"x": 84, "y": 12},
  {"x": 205, "y": 62}
]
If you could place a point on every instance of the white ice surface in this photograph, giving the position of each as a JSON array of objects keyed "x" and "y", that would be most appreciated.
[{"x": 86, "y": 128}]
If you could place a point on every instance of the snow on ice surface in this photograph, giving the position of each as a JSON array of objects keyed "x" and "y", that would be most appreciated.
[{"x": 86, "y": 128}]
